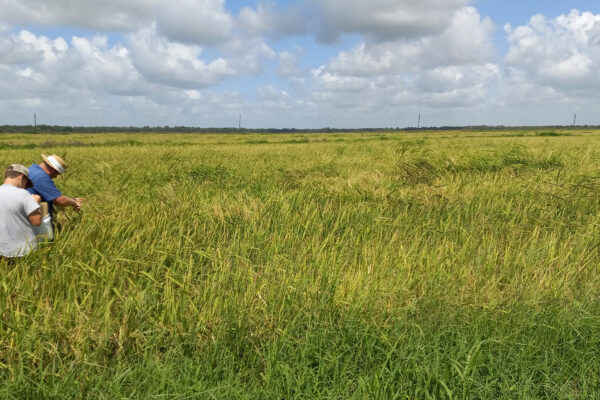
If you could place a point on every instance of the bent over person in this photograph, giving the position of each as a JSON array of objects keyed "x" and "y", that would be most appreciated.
[
  {"x": 42, "y": 175},
  {"x": 19, "y": 213}
]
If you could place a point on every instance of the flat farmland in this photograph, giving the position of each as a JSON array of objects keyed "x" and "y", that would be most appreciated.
[{"x": 379, "y": 265}]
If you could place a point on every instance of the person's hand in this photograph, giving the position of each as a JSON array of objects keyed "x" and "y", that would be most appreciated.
[
  {"x": 78, "y": 201},
  {"x": 36, "y": 197}
]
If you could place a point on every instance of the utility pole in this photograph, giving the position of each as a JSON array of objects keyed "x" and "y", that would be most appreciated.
[
  {"x": 34, "y": 120},
  {"x": 240, "y": 122},
  {"x": 419, "y": 121},
  {"x": 574, "y": 120}
]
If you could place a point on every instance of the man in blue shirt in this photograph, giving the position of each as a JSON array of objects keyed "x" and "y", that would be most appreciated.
[{"x": 42, "y": 174}]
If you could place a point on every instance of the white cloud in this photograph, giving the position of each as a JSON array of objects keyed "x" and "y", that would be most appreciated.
[
  {"x": 384, "y": 19},
  {"x": 26, "y": 83},
  {"x": 438, "y": 63},
  {"x": 330, "y": 81},
  {"x": 99, "y": 68},
  {"x": 561, "y": 53},
  {"x": 27, "y": 62},
  {"x": 458, "y": 86},
  {"x": 203, "y": 22},
  {"x": 36, "y": 68},
  {"x": 105, "y": 15},
  {"x": 174, "y": 64},
  {"x": 268, "y": 20},
  {"x": 25, "y": 47},
  {"x": 375, "y": 80},
  {"x": 272, "y": 98},
  {"x": 248, "y": 56},
  {"x": 550, "y": 70},
  {"x": 157, "y": 62},
  {"x": 373, "y": 60},
  {"x": 53, "y": 66},
  {"x": 289, "y": 65},
  {"x": 467, "y": 40}
]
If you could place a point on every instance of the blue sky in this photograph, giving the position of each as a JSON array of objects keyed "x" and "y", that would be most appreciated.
[{"x": 299, "y": 64}]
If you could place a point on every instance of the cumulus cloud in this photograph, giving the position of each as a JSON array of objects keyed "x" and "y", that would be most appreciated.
[
  {"x": 274, "y": 98},
  {"x": 247, "y": 55},
  {"x": 289, "y": 65},
  {"x": 203, "y": 22},
  {"x": 550, "y": 70},
  {"x": 268, "y": 20},
  {"x": 453, "y": 46},
  {"x": 122, "y": 15},
  {"x": 467, "y": 40},
  {"x": 173, "y": 63},
  {"x": 417, "y": 58},
  {"x": 384, "y": 19},
  {"x": 24, "y": 47},
  {"x": 83, "y": 64},
  {"x": 159, "y": 62},
  {"x": 457, "y": 85},
  {"x": 453, "y": 68},
  {"x": 99, "y": 68},
  {"x": 562, "y": 53},
  {"x": 27, "y": 61},
  {"x": 147, "y": 61},
  {"x": 25, "y": 83}
]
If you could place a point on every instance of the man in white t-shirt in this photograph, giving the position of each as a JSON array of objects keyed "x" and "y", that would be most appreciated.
[{"x": 19, "y": 213}]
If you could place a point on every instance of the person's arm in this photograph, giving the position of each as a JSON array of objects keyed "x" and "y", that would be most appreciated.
[
  {"x": 65, "y": 201},
  {"x": 35, "y": 218}
]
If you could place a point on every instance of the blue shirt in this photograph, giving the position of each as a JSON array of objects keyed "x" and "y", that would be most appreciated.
[{"x": 43, "y": 185}]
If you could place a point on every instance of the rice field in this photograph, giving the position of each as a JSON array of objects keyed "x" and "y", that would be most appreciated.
[{"x": 387, "y": 265}]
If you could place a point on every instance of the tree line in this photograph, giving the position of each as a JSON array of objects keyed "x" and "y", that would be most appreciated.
[{"x": 189, "y": 129}]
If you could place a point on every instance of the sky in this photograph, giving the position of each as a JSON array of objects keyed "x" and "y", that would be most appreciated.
[{"x": 299, "y": 64}]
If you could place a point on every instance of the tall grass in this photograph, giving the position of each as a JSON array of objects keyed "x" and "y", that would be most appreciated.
[{"x": 310, "y": 266}]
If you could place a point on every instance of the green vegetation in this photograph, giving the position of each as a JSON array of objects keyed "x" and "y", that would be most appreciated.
[{"x": 407, "y": 265}]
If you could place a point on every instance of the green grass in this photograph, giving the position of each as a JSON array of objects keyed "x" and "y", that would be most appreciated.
[{"x": 408, "y": 266}]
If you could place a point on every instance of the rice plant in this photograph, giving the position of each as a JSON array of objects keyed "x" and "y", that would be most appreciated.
[{"x": 406, "y": 265}]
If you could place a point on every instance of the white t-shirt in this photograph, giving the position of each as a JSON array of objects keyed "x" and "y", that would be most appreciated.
[{"x": 17, "y": 237}]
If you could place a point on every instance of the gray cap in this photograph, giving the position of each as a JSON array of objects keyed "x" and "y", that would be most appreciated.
[{"x": 22, "y": 170}]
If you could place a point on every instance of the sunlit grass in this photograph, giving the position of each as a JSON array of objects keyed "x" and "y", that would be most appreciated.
[{"x": 380, "y": 265}]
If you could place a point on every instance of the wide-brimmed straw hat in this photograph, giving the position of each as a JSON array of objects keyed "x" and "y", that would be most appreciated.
[
  {"x": 56, "y": 162},
  {"x": 22, "y": 170}
]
